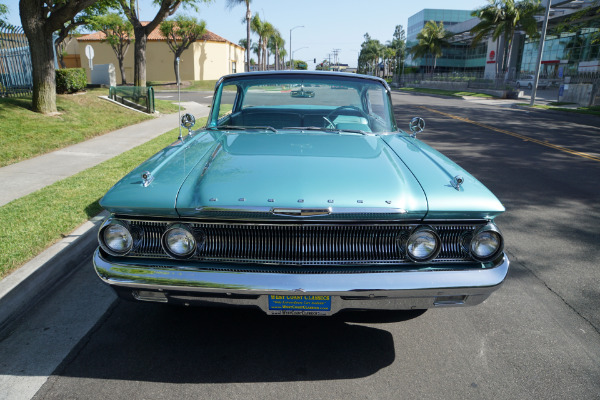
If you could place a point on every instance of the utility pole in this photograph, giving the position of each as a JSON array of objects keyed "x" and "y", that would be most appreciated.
[
  {"x": 336, "y": 59},
  {"x": 539, "y": 57}
]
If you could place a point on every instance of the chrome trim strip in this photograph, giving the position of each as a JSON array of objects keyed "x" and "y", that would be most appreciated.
[
  {"x": 301, "y": 212},
  {"x": 333, "y": 210},
  {"x": 368, "y": 290}
]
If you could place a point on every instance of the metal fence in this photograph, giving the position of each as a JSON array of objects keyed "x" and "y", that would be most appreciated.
[
  {"x": 141, "y": 98},
  {"x": 15, "y": 62},
  {"x": 477, "y": 80}
]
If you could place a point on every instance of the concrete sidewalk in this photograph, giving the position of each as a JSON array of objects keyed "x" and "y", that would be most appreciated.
[
  {"x": 20, "y": 179},
  {"x": 21, "y": 290}
]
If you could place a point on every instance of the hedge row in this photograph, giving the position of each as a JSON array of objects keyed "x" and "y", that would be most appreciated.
[{"x": 70, "y": 80}]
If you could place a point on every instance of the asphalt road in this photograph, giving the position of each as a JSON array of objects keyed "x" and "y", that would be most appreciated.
[
  {"x": 537, "y": 337},
  {"x": 202, "y": 97}
]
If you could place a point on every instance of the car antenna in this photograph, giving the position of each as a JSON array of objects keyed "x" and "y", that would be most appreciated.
[{"x": 179, "y": 98}]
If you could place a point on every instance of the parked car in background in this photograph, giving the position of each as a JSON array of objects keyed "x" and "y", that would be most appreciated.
[
  {"x": 528, "y": 81},
  {"x": 302, "y": 205}
]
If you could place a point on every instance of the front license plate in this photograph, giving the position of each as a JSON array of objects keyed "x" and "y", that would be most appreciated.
[{"x": 299, "y": 305}]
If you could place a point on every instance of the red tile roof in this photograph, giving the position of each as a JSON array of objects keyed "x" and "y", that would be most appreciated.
[{"x": 156, "y": 35}]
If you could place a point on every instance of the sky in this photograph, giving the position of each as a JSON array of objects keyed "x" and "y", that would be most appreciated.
[{"x": 327, "y": 24}]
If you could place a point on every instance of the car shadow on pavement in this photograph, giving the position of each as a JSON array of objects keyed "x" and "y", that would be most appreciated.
[{"x": 161, "y": 343}]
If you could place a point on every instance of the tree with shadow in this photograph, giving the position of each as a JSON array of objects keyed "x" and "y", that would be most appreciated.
[
  {"x": 118, "y": 33},
  {"x": 181, "y": 33}
]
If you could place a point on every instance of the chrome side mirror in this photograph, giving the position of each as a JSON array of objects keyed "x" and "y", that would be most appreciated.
[
  {"x": 188, "y": 121},
  {"x": 416, "y": 125}
]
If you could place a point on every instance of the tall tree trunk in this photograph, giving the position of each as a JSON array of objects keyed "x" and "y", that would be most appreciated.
[
  {"x": 41, "y": 47},
  {"x": 258, "y": 63},
  {"x": 176, "y": 70},
  {"x": 177, "y": 54},
  {"x": 248, "y": 16},
  {"x": 139, "y": 46},
  {"x": 509, "y": 55},
  {"x": 122, "y": 69}
]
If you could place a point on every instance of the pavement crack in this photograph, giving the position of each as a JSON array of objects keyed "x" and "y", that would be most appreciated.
[{"x": 515, "y": 259}]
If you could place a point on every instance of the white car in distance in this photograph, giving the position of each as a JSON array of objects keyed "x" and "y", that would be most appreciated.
[{"x": 527, "y": 81}]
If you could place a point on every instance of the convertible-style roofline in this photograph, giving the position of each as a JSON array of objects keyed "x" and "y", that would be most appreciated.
[{"x": 303, "y": 73}]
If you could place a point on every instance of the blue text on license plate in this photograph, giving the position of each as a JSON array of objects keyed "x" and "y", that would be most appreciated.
[{"x": 300, "y": 303}]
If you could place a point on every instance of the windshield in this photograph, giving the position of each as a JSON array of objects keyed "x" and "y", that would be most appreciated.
[{"x": 302, "y": 102}]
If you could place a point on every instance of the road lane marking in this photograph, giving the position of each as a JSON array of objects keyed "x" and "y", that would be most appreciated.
[{"x": 522, "y": 137}]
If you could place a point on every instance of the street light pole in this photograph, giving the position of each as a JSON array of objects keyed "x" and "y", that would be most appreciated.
[
  {"x": 536, "y": 77},
  {"x": 291, "y": 56}
]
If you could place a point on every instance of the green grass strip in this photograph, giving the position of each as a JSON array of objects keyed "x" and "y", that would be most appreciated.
[
  {"x": 594, "y": 110},
  {"x": 454, "y": 93},
  {"x": 25, "y": 134},
  {"x": 36, "y": 221}
]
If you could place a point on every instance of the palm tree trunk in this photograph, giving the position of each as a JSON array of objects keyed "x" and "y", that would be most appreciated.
[
  {"x": 510, "y": 48},
  {"x": 248, "y": 16}
]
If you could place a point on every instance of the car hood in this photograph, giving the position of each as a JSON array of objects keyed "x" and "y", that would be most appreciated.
[
  {"x": 345, "y": 173},
  {"x": 214, "y": 174}
]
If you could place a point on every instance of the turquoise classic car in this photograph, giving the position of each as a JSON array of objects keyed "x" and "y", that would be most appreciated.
[{"x": 301, "y": 205}]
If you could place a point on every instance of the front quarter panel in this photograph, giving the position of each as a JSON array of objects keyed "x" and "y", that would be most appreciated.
[
  {"x": 168, "y": 168},
  {"x": 436, "y": 173}
]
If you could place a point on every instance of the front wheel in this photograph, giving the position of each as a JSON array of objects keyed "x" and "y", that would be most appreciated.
[{"x": 530, "y": 86}]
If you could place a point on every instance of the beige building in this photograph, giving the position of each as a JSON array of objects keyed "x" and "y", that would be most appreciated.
[{"x": 207, "y": 59}]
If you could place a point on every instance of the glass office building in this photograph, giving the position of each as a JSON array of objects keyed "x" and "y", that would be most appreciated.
[
  {"x": 448, "y": 17},
  {"x": 460, "y": 56},
  {"x": 572, "y": 43},
  {"x": 574, "y": 50}
]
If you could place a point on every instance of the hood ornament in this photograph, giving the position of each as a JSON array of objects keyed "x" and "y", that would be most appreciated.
[
  {"x": 416, "y": 125},
  {"x": 457, "y": 181},
  {"x": 147, "y": 178}
]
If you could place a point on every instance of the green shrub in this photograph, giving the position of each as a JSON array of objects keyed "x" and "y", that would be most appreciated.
[{"x": 70, "y": 80}]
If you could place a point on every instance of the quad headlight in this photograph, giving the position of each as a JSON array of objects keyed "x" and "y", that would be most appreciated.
[
  {"x": 116, "y": 237},
  {"x": 486, "y": 243},
  {"x": 423, "y": 244},
  {"x": 179, "y": 241}
]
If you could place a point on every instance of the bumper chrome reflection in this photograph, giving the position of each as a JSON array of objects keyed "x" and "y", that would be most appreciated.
[{"x": 381, "y": 290}]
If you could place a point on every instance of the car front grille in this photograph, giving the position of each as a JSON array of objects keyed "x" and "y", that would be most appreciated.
[{"x": 305, "y": 244}]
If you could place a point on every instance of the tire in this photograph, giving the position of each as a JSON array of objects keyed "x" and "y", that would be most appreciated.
[
  {"x": 518, "y": 85},
  {"x": 530, "y": 86}
]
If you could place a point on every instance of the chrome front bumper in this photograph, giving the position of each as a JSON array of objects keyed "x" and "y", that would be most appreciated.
[{"x": 403, "y": 290}]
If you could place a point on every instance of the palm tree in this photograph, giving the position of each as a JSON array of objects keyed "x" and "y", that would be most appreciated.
[
  {"x": 267, "y": 32},
  {"x": 257, "y": 26},
  {"x": 501, "y": 18},
  {"x": 369, "y": 54},
  {"x": 282, "y": 55},
  {"x": 389, "y": 58},
  {"x": 276, "y": 44},
  {"x": 432, "y": 39},
  {"x": 233, "y": 3}
]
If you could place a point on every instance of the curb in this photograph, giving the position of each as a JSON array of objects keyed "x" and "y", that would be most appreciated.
[
  {"x": 22, "y": 289},
  {"x": 550, "y": 111}
]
